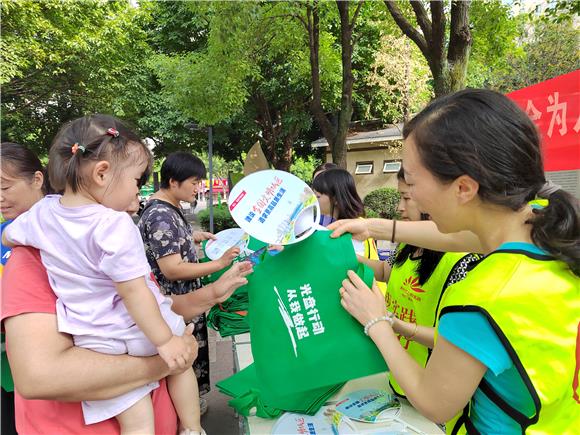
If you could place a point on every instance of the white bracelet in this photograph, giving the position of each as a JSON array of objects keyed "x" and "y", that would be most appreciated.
[{"x": 389, "y": 317}]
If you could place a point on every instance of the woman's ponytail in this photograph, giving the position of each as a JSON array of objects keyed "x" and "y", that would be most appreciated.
[{"x": 556, "y": 227}]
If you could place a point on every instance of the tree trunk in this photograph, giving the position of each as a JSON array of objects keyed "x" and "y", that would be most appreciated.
[
  {"x": 449, "y": 71},
  {"x": 313, "y": 28},
  {"x": 336, "y": 137},
  {"x": 339, "y": 149},
  {"x": 285, "y": 159}
]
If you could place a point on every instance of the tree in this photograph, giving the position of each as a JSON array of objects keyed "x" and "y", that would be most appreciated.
[
  {"x": 401, "y": 73},
  {"x": 62, "y": 60},
  {"x": 551, "y": 49},
  {"x": 335, "y": 135},
  {"x": 447, "y": 59},
  {"x": 252, "y": 68},
  {"x": 496, "y": 32}
]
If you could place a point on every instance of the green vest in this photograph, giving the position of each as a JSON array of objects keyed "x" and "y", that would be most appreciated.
[
  {"x": 533, "y": 304},
  {"x": 414, "y": 303}
]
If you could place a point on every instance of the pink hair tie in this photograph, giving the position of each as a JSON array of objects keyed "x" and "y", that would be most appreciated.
[{"x": 111, "y": 131}]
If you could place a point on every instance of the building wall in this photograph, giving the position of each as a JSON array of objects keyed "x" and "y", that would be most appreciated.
[{"x": 377, "y": 154}]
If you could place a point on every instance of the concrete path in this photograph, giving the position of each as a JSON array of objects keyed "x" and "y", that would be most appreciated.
[{"x": 220, "y": 418}]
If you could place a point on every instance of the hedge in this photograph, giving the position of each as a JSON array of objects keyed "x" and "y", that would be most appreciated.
[
  {"x": 222, "y": 220},
  {"x": 382, "y": 203}
]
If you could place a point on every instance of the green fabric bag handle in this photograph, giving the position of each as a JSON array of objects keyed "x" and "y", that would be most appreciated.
[{"x": 246, "y": 402}]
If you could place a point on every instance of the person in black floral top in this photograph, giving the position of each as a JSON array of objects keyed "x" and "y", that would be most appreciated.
[{"x": 170, "y": 248}]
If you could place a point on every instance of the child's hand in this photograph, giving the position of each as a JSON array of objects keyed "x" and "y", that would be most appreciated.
[
  {"x": 229, "y": 256},
  {"x": 176, "y": 352}
]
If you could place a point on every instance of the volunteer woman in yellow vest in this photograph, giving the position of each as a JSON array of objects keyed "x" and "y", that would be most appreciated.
[
  {"x": 416, "y": 280},
  {"x": 338, "y": 199},
  {"x": 507, "y": 349}
]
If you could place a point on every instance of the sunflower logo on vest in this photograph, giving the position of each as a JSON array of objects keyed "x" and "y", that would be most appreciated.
[{"x": 412, "y": 283}]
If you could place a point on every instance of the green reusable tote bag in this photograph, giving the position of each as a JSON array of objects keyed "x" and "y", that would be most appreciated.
[{"x": 302, "y": 337}]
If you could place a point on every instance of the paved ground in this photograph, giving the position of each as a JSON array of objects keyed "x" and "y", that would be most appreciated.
[{"x": 220, "y": 418}]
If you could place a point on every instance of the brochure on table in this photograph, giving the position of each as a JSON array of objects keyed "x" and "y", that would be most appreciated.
[
  {"x": 328, "y": 421},
  {"x": 275, "y": 207},
  {"x": 370, "y": 406},
  {"x": 318, "y": 423}
]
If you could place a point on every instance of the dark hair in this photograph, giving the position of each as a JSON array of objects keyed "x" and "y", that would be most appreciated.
[
  {"x": 339, "y": 185},
  {"x": 485, "y": 135},
  {"x": 401, "y": 174},
  {"x": 324, "y": 167},
  {"x": 180, "y": 166},
  {"x": 95, "y": 140},
  {"x": 428, "y": 260},
  {"x": 23, "y": 162}
]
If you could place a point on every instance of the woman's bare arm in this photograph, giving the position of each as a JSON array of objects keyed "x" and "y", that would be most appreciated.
[
  {"x": 423, "y": 234},
  {"x": 46, "y": 365}
]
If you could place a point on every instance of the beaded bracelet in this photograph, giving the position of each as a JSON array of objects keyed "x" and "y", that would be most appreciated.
[{"x": 389, "y": 317}]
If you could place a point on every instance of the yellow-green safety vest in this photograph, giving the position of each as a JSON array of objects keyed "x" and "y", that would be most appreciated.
[
  {"x": 533, "y": 304},
  {"x": 412, "y": 302},
  {"x": 372, "y": 253}
]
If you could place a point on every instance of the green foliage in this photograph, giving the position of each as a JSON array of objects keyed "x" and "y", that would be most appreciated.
[
  {"x": 303, "y": 167},
  {"x": 495, "y": 33},
  {"x": 221, "y": 167},
  {"x": 551, "y": 49},
  {"x": 222, "y": 220},
  {"x": 62, "y": 60},
  {"x": 402, "y": 78},
  {"x": 382, "y": 203},
  {"x": 560, "y": 11}
]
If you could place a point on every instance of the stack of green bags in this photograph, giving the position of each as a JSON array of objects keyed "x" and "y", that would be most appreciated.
[
  {"x": 230, "y": 317},
  {"x": 247, "y": 394}
]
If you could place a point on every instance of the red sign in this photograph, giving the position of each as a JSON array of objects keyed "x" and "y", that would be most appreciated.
[
  {"x": 220, "y": 185},
  {"x": 554, "y": 105}
]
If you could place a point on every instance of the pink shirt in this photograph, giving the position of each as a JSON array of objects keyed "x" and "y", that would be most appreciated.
[
  {"x": 25, "y": 289},
  {"x": 85, "y": 251}
]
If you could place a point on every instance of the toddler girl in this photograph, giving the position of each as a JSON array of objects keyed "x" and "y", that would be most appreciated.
[{"x": 97, "y": 267}]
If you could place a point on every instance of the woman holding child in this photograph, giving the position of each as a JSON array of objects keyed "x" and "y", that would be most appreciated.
[{"x": 46, "y": 364}]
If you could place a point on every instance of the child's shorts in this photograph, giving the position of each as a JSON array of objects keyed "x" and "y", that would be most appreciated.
[{"x": 95, "y": 411}]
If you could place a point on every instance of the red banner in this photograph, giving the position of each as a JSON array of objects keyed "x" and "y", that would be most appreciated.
[{"x": 554, "y": 105}]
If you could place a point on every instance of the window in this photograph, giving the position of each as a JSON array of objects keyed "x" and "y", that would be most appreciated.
[
  {"x": 363, "y": 168},
  {"x": 391, "y": 166}
]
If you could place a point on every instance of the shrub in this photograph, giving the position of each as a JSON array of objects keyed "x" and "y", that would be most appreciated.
[
  {"x": 222, "y": 220},
  {"x": 382, "y": 202}
]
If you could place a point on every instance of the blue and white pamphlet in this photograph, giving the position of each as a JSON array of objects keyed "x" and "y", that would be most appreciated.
[{"x": 370, "y": 406}]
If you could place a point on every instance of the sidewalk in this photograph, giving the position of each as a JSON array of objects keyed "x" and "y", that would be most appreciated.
[{"x": 220, "y": 418}]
